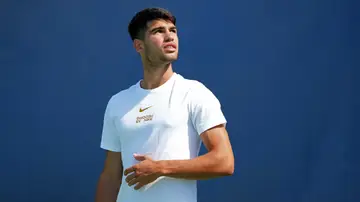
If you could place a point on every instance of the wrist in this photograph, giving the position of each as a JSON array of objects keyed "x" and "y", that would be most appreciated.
[{"x": 162, "y": 171}]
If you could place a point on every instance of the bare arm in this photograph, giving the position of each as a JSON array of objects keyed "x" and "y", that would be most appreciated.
[
  {"x": 110, "y": 179},
  {"x": 217, "y": 162}
]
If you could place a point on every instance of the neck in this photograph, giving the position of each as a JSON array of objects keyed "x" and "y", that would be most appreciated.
[{"x": 156, "y": 76}]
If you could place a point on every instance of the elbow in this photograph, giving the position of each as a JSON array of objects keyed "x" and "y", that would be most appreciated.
[
  {"x": 227, "y": 166},
  {"x": 229, "y": 169}
]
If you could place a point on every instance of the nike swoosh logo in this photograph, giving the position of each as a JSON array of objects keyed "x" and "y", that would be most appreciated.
[{"x": 141, "y": 110}]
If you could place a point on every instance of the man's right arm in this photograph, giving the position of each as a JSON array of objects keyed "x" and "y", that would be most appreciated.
[{"x": 110, "y": 178}]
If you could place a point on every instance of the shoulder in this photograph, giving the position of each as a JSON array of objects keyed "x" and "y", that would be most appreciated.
[
  {"x": 119, "y": 98},
  {"x": 193, "y": 85},
  {"x": 197, "y": 91},
  {"x": 123, "y": 93}
]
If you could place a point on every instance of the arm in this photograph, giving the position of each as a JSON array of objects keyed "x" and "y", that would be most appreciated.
[
  {"x": 110, "y": 179},
  {"x": 217, "y": 162}
]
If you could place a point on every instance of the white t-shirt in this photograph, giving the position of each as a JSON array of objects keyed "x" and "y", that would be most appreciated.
[{"x": 164, "y": 123}]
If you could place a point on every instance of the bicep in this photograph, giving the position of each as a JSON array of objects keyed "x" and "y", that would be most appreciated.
[
  {"x": 217, "y": 139},
  {"x": 113, "y": 165}
]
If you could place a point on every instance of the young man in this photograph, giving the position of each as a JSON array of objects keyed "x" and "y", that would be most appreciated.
[{"x": 152, "y": 131}]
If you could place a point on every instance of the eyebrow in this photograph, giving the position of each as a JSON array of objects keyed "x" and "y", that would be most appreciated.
[{"x": 162, "y": 27}]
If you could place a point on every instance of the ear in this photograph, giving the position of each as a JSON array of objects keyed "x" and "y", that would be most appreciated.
[{"x": 138, "y": 45}]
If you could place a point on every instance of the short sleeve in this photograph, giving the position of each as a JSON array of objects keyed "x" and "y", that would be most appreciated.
[
  {"x": 110, "y": 140},
  {"x": 205, "y": 109}
]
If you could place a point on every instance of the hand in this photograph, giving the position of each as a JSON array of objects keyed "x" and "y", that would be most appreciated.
[{"x": 142, "y": 173}]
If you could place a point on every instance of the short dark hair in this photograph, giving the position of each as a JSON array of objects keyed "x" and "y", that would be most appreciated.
[{"x": 138, "y": 23}]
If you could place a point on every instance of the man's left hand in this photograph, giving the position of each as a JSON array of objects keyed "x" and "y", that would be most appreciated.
[{"x": 142, "y": 173}]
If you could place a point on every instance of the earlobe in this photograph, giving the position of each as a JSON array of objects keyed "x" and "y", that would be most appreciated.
[{"x": 138, "y": 45}]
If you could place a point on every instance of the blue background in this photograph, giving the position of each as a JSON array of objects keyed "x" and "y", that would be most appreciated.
[{"x": 284, "y": 72}]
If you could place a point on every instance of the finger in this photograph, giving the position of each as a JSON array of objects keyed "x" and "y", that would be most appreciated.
[
  {"x": 129, "y": 170},
  {"x": 133, "y": 181},
  {"x": 130, "y": 177},
  {"x": 139, "y": 157},
  {"x": 138, "y": 186}
]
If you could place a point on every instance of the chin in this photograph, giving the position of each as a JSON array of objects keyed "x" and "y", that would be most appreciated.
[{"x": 170, "y": 58}]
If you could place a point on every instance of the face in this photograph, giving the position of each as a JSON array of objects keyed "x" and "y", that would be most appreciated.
[{"x": 160, "y": 44}]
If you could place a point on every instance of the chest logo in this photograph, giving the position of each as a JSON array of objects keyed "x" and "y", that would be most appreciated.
[
  {"x": 144, "y": 118},
  {"x": 143, "y": 109}
]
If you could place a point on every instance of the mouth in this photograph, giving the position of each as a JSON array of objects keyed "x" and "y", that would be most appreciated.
[{"x": 170, "y": 47}]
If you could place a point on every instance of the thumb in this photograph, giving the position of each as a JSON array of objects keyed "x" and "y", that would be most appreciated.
[{"x": 139, "y": 157}]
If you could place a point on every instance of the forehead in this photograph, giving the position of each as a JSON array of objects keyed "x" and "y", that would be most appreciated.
[{"x": 159, "y": 23}]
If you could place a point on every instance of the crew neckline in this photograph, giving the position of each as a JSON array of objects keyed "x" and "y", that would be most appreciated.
[{"x": 159, "y": 88}]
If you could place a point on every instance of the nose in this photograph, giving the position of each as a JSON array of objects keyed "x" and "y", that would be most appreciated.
[{"x": 169, "y": 36}]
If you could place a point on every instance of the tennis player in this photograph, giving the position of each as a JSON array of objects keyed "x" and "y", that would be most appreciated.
[{"x": 153, "y": 130}]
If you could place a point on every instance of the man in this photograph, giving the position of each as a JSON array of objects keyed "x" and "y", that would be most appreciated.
[{"x": 153, "y": 130}]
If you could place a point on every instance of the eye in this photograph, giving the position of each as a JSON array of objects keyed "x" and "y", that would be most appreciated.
[{"x": 159, "y": 31}]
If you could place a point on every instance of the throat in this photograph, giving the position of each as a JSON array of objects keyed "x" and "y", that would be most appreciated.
[{"x": 155, "y": 77}]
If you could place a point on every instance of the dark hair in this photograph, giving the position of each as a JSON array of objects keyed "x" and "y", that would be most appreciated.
[{"x": 138, "y": 23}]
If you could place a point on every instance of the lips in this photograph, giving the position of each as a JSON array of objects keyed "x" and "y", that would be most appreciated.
[{"x": 170, "y": 46}]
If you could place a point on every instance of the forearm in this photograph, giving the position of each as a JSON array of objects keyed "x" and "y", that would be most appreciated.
[
  {"x": 207, "y": 166},
  {"x": 107, "y": 189}
]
